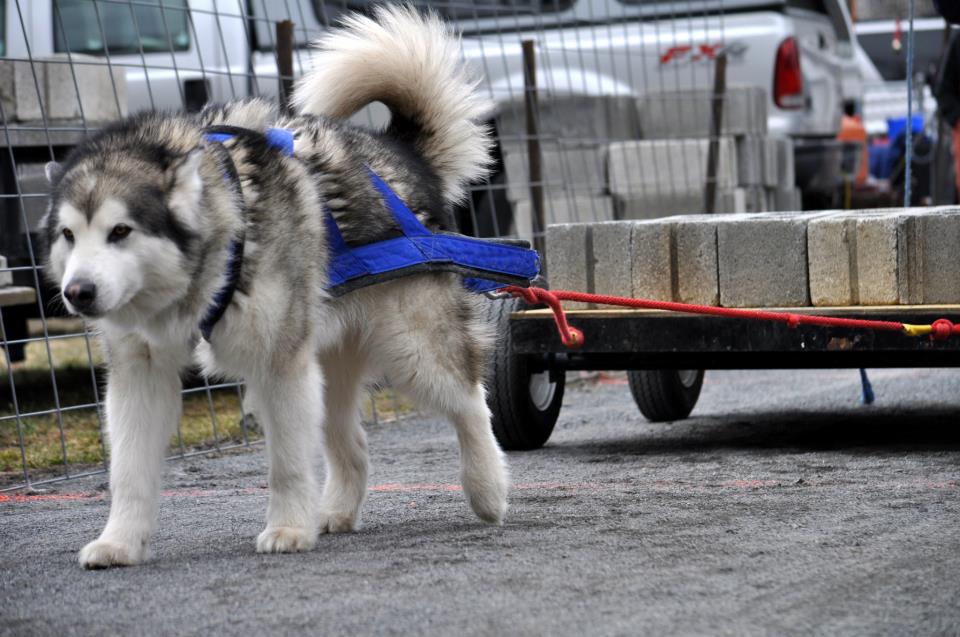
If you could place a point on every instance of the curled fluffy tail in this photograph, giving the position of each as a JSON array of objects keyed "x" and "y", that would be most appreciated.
[{"x": 411, "y": 63}]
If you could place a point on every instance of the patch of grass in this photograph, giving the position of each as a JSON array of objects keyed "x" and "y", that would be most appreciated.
[{"x": 79, "y": 390}]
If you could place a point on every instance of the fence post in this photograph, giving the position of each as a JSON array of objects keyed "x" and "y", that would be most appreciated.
[
  {"x": 285, "y": 62},
  {"x": 716, "y": 126},
  {"x": 533, "y": 148}
]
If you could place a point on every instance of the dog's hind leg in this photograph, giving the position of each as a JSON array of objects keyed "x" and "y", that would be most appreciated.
[
  {"x": 345, "y": 442},
  {"x": 289, "y": 397},
  {"x": 438, "y": 360},
  {"x": 143, "y": 409}
]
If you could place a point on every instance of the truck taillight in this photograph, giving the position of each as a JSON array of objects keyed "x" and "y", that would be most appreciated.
[{"x": 787, "y": 79}]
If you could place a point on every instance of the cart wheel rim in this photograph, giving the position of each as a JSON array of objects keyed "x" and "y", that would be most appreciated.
[
  {"x": 542, "y": 390},
  {"x": 688, "y": 377}
]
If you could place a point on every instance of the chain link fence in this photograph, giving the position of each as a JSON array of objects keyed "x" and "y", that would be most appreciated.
[{"x": 605, "y": 110}]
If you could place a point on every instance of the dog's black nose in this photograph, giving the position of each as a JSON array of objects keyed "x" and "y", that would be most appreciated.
[{"x": 81, "y": 294}]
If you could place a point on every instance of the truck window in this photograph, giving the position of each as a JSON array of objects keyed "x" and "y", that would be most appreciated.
[
  {"x": 96, "y": 28},
  {"x": 328, "y": 12},
  {"x": 311, "y": 16}
]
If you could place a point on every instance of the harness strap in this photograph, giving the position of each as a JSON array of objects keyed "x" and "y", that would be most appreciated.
[
  {"x": 484, "y": 264},
  {"x": 224, "y": 295}
]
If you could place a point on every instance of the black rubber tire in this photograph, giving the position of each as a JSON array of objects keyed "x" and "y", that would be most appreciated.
[
  {"x": 519, "y": 424},
  {"x": 662, "y": 395}
]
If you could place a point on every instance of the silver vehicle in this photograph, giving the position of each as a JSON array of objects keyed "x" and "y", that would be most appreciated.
[{"x": 182, "y": 52}]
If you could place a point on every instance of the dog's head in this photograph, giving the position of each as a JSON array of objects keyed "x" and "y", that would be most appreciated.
[{"x": 121, "y": 229}]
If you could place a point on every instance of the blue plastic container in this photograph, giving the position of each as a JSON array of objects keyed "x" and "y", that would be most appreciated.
[{"x": 895, "y": 125}]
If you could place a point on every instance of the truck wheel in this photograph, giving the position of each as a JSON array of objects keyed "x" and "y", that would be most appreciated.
[
  {"x": 665, "y": 394},
  {"x": 524, "y": 405}
]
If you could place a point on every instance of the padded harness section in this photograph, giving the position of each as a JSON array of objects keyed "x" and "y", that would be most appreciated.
[{"x": 484, "y": 264}]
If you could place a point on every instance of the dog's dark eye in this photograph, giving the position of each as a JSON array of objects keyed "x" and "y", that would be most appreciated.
[
  {"x": 120, "y": 231},
  {"x": 68, "y": 234}
]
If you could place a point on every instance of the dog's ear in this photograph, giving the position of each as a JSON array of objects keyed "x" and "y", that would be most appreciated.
[
  {"x": 185, "y": 187},
  {"x": 54, "y": 171}
]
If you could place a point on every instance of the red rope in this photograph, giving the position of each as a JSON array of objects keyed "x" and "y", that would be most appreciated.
[{"x": 573, "y": 338}]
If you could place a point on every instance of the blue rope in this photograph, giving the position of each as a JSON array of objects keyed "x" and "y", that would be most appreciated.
[
  {"x": 907, "y": 175},
  {"x": 867, "y": 396}
]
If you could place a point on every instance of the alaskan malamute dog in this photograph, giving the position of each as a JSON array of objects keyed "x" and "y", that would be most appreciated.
[{"x": 143, "y": 226}]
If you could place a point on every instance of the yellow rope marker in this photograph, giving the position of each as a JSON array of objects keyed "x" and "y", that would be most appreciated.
[{"x": 917, "y": 330}]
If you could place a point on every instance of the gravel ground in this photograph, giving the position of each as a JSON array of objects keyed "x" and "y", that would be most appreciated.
[{"x": 780, "y": 507}]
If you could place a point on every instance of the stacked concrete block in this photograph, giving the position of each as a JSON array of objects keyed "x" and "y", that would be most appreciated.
[
  {"x": 694, "y": 259},
  {"x": 83, "y": 86},
  {"x": 21, "y": 86},
  {"x": 762, "y": 261},
  {"x": 784, "y": 199},
  {"x": 836, "y": 258},
  {"x": 885, "y": 257},
  {"x": 751, "y": 159},
  {"x": 659, "y": 178},
  {"x": 676, "y": 165},
  {"x": 563, "y": 168},
  {"x": 650, "y": 258},
  {"x": 574, "y": 131},
  {"x": 590, "y": 257},
  {"x": 567, "y": 248},
  {"x": 782, "y": 195},
  {"x": 560, "y": 208},
  {"x": 687, "y": 113},
  {"x": 586, "y": 119}
]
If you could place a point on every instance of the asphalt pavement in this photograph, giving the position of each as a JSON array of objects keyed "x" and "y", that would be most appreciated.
[{"x": 781, "y": 507}]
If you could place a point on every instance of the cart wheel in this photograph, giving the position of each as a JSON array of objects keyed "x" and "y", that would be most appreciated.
[
  {"x": 524, "y": 405},
  {"x": 665, "y": 394}
]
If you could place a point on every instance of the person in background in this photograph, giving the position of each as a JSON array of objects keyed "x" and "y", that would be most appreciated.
[
  {"x": 948, "y": 97},
  {"x": 853, "y": 131}
]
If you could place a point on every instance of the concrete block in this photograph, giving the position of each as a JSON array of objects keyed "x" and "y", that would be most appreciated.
[
  {"x": 590, "y": 257},
  {"x": 19, "y": 94},
  {"x": 879, "y": 244},
  {"x": 939, "y": 234},
  {"x": 567, "y": 250},
  {"x": 762, "y": 260},
  {"x": 785, "y": 200},
  {"x": 82, "y": 86},
  {"x": 563, "y": 168},
  {"x": 731, "y": 201},
  {"x": 750, "y": 160},
  {"x": 885, "y": 257},
  {"x": 586, "y": 119},
  {"x": 657, "y": 205},
  {"x": 650, "y": 257},
  {"x": 686, "y": 113},
  {"x": 572, "y": 208},
  {"x": 771, "y": 162},
  {"x": 694, "y": 255},
  {"x": 786, "y": 169},
  {"x": 612, "y": 268},
  {"x": 668, "y": 166},
  {"x": 6, "y": 278},
  {"x": 831, "y": 244},
  {"x": 675, "y": 259}
]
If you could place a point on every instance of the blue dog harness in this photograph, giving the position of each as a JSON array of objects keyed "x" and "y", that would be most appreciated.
[{"x": 485, "y": 264}]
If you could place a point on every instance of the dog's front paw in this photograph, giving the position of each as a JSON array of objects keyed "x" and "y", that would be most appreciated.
[
  {"x": 104, "y": 554},
  {"x": 285, "y": 539},
  {"x": 338, "y": 522}
]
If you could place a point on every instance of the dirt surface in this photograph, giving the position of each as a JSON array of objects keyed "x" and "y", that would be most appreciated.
[{"x": 780, "y": 507}]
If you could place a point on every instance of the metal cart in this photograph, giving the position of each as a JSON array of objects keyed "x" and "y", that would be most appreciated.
[{"x": 666, "y": 353}]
